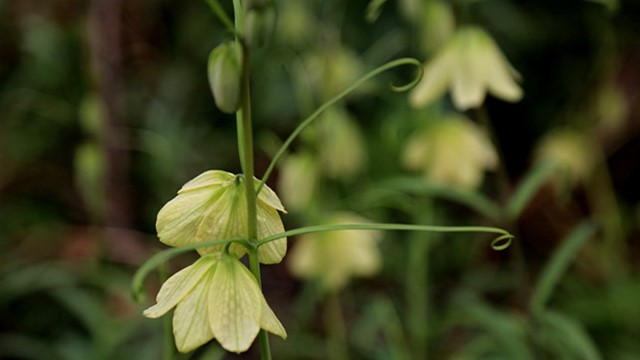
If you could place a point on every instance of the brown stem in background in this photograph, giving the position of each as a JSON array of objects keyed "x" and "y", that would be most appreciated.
[{"x": 106, "y": 62}]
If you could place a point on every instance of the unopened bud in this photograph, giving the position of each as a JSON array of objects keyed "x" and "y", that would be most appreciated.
[{"x": 225, "y": 76}]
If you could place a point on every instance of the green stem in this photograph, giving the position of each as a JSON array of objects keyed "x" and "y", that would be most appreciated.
[
  {"x": 247, "y": 152},
  {"x": 337, "y": 344},
  {"x": 417, "y": 283}
]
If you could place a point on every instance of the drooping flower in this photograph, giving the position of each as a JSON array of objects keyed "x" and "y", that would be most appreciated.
[
  {"x": 571, "y": 153},
  {"x": 470, "y": 64},
  {"x": 453, "y": 150},
  {"x": 298, "y": 180},
  {"x": 213, "y": 207},
  {"x": 215, "y": 297},
  {"x": 336, "y": 256},
  {"x": 342, "y": 152}
]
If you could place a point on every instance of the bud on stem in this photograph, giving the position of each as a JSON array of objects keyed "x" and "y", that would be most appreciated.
[{"x": 225, "y": 76}]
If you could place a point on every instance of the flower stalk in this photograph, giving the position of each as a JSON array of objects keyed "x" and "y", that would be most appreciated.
[{"x": 247, "y": 153}]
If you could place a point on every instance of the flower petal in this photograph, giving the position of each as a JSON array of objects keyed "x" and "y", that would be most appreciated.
[
  {"x": 435, "y": 79},
  {"x": 225, "y": 219},
  {"x": 234, "y": 305},
  {"x": 270, "y": 322},
  {"x": 501, "y": 76},
  {"x": 178, "y": 286},
  {"x": 269, "y": 223},
  {"x": 179, "y": 220},
  {"x": 206, "y": 179},
  {"x": 269, "y": 197},
  {"x": 468, "y": 84},
  {"x": 190, "y": 328}
]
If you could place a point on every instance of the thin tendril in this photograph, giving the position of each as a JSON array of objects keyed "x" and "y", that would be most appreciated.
[
  {"x": 500, "y": 243},
  {"x": 306, "y": 122}
]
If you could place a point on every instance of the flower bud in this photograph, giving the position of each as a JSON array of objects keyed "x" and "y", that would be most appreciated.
[
  {"x": 225, "y": 76},
  {"x": 259, "y": 25}
]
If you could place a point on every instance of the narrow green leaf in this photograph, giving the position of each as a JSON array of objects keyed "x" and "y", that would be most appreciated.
[
  {"x": 470, "y": 199},
  {"x": 533, "y": 181},
  {"x": 558, "y": 264},
  {"x": 572, "y": 335}
]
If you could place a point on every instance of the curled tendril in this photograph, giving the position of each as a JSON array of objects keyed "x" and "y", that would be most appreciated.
[
  {"x": 502, "y": 242},
  {"x": 306, "y": 122},
  {"x": 412, "y": 83}
]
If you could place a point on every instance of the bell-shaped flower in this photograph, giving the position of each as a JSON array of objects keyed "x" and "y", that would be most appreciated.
[
  {"x": 298, "y": 180},
  {"x": 213, "y": 206},
  {"x": 470, "y": 64},
  {"x": 571, "y": 152},
  {"x": 334, "y": 257},
  {"x": 453, "y": 150},
  {"x": 215, "y": 297},
  {"x": 342, "y": 151}
]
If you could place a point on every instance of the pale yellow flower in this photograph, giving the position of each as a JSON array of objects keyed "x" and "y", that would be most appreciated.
[
  {"x": 336, "y": 256},
  {"x": 298, "y": 180},
  {"x": 342, "y": 153},
  {"x": 453, "y": 151},
  {"x": 213, "y": 207},
  {"x": 470, "y": 64},
  {"x": 215, "y": 297},
  {"x": 571, "y": 152}
]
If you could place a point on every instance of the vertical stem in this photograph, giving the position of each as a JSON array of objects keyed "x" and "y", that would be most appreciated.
[
  {"x": 337, "y": 344},
  {"x": 247, "y": 152},
  {"x": 416, "y": 282}
]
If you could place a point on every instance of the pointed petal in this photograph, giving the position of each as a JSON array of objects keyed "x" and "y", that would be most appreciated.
[
  {"x": 207, "y": 178},
  {"x": 500, "y": 78},
  {"x": 269, "y": 223},
  {"x": 234, "y": 305},
  {"x": 190, "y": 324},
  {"x": 225, "y": 219},
  {"x": 270, "y": 322},
  {"x": 468, "y": 87},
  {"x": 269, "y": 197},
  {"x": 178, "y": 286},
  {"x": 435, "y": 79}
]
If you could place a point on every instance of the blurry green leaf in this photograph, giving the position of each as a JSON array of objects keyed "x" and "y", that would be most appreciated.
[
  {"x": 37, "y": 277},
  {"x": 374, "y": 9},
  {"x": 379, "y": 320},
  {"x": 91, "y": 115},
  {"x": 471, "y": 199},
  {"x": 570, "y": 334},
  {"x": 558, "y": 264},
  {"x": 89, "y": 165},
  {"x": 87, "y": 307},
  {"x": 475, "y": 349},
  {"x": 508, "y": 330},
  {"x": 19, "y": 346},
  {"x": 533, "y": 181},
  {"x": 611, "y": 5}
]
